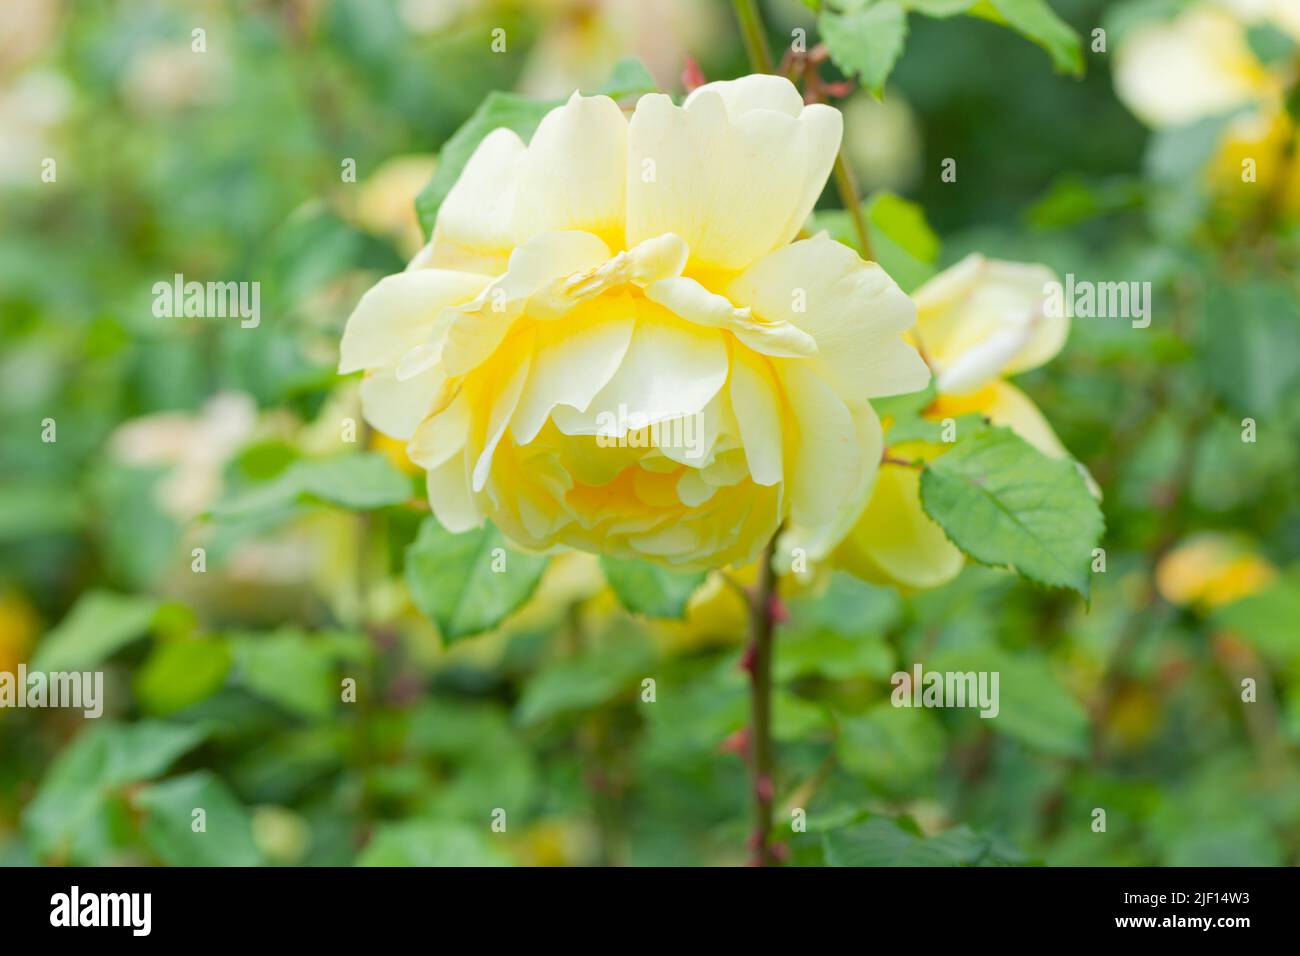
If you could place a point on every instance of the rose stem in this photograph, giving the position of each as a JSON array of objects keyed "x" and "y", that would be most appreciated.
[
  {"x": 753, "y": 35},
  {"x": 762, "y": 626}
]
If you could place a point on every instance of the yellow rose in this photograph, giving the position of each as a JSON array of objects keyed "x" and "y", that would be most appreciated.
[
  {"x": 1200, "y": 64},
  {"x": 1211, "y": 569},
  {"x": 611, "y": 342},
  {"x": 977, "y": 321}
]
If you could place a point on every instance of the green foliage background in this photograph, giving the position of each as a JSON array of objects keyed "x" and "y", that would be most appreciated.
[{"x": 224, "y": 688}]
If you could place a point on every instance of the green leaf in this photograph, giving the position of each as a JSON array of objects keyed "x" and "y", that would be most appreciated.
[
  {"x": 901, "y": 239},
  {"x": 1004, "y": 503},
  {"x": 1034, "y": 707},
  {"x": 916, "y": 429},
  {"x": 433, "y": 843},
  {"x": 509, "y": 110},
  {"x": 834, "y": 656},
  {"x": 290, "y": 669},
  {"x": 1272, "y": 45},
  {"x": 1250, "y": 345},
  {"x": 849, "y": 607},
  {"x": 628, "y": 78},
  {"x": 867, "y": 42},
  {"x": 797, "y": 718},
  {"x": 69, "y": 808},
  {"x": 180, "y": 673},
  {"x": 1267, "y": 619},
  {"x": 895, "y": 749},
  {"x": 100, "y": 624},
  {"x": 910, "y": 405},
  {"x": 939, "y": 8},
  {"x": 585, "y": 682},
  {"x": 468, "y": 583},
  {"x": 1177, "y": 154},
  {"x": 1036, "y": 21},
  {"x": 644, "y": 588},
  {"x": 880, "y": 841},
  {"x": 1072, "y": 200},
  {"x": 359, "y": 482},
  {"x": 30, "y": 509},
  {"x": 169, "y": 824}
]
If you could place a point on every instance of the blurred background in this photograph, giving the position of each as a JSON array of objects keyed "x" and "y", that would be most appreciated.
[{"x": 227, "y": 689}]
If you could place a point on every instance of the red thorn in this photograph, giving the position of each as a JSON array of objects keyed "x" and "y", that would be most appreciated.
[
  {"x": 776, "y": 608},
  {"x": 839, "y": 89},
  {"x": 692, "y": 75},
  {"x": 747, "y": 659},
  {"x": 737, "y": 743},
  {"x": 780, "y": 851},
  {"x": 763, "y": 787}
]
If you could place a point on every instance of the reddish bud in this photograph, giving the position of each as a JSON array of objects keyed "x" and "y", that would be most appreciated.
[{"x": 692, "y": 75}]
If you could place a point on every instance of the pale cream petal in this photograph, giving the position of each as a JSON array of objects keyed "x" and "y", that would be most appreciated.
[
  {"x": 1171, "y": 73},
  {"x": 571, "y": 176},
  {"x": 671, "y": 369},
  {"x": 396, "y": 408},
  {"x": 756, "y": 400},
  {"x": 440, "y": 436},
  {"x": 693, "y": 490},
  {"x": 398, "y": 313},
  {"x": 479, "y": 327},
  {"x": 824, "y": 127},
  {"x": 852, "y": 309},
  {"x": 895, "y": 542},
  {"x": 575, "y": 170},
  {"x": 1010, "y": 407},
  {"x": 450, "y": 496},
  {"x": 819, "y": 539},
  {"x": 985, "y": 318},
  {"x": 825, "y": 462},
  {"x": 734, "y": 186},
  {"x": 688, "y": 299},
  {"x": 644, "y": 263},
  {"x": 575, "y": 359},
  {"x": 505, "y": 400},
  {"x": 757, "y": 91},
  {"x": 476, "y": 220}
]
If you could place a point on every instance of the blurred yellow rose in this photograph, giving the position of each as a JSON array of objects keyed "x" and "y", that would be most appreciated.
[
  {"x": 977, "y": 321},
  {"x": 1210, "y": 570},
  {"x": 384, "y": 203},
  {"x": 1201, "y": 64},
  {"x": 611, "y": 342}
]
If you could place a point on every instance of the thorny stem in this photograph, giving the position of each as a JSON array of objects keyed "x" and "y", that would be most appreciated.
[
  {"x": 762, "y": 620},
  {"x": 762, "y": 627}
]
